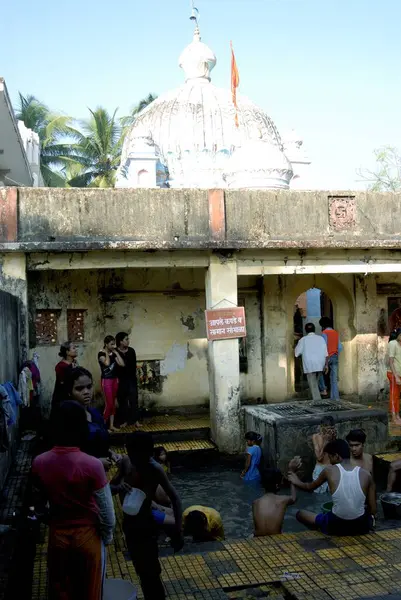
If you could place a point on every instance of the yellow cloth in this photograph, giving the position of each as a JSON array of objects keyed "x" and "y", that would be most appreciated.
[
  {"x": 214, "y": 521},
  {"x": 394, "y": 351}
]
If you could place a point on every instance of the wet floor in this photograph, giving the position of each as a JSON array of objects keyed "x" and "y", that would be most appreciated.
[{"x": 222, "y": 488}]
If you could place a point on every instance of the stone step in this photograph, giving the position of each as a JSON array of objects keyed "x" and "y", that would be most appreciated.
[
  {"x": 388, "y": 457},
  {"x": 170, "y": 429},
  {"x": 180, "y": 446},
  {"x": 189, "y": 446}
]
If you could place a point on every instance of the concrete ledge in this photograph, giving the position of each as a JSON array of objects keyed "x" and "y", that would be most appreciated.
[
  {"x": 287, "y": 428},
  {"x": 154, "y": 219}
]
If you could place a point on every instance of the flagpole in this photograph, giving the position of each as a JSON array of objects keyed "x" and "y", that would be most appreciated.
[{"x": 234, "y": 83}]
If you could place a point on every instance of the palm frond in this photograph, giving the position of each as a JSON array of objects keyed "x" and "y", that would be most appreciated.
[
  {"x": 142, "y": 104},
  {"x": 81, "y": 180},
  {"x": 52, "y": 178}
]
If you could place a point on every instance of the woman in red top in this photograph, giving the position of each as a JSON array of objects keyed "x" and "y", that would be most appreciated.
[
  {"x": 68, "y": 353},
  {"x": 81, "y": 514}
]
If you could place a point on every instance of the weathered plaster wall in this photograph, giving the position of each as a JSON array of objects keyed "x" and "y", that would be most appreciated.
[
  {"x": 116, "y": 214},
  {"x": 160, "y": 219},
  {"x": 62, "y": 290},
  {"x": 251, "y": 383},
  {"x": 161, "y": 309}
]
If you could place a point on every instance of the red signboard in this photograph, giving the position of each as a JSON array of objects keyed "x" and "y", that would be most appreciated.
[{"x": 225, "y": 323}]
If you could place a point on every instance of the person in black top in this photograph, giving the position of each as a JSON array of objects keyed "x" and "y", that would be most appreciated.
[
  {"x": 109, "y": 361},
  {"x": 128, "y": 384}
]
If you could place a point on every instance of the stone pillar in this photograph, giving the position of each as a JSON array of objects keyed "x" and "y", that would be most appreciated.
[
  {"x": 366, "y": 337},
  {"x": 223, "y": 360},
  {"x": 276, "y": 335}
]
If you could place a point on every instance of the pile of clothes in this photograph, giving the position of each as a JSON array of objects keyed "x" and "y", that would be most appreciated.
[
  {"x": 29, "y": 382},
  {"x": 27, "y": 396},
  {"x": 10, "y": 401}
]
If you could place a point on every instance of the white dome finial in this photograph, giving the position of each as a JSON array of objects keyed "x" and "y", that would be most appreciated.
[{"x": 197, "y": 60}]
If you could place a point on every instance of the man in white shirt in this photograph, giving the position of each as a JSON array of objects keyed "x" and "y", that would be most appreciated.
[{"x": 313, "y": 350}]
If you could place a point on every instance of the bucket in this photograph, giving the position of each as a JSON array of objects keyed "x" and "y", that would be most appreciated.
[
  {"x": 118, "y": 589},
  {"x": 133, "y": 501},
  {"x": 391, "y": 504},
  {"x": 326, "y": 507}
]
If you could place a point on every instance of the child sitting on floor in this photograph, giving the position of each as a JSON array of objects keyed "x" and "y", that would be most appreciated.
[
  {"x": 269, "y": 510},
  {"x": 327, "y": 433},
  {"x": 253, "y": 457},
  {"x": 160, "y": 456}
]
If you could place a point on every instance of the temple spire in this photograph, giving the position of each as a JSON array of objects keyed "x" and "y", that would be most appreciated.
[{"x": 195, "y": 18}]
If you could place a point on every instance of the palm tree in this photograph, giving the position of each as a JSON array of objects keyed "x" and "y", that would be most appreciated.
[
  {"x": 129, "y": 120},
  {"x": 97, "y": 149},
  {"x": 53, "y": 130}
]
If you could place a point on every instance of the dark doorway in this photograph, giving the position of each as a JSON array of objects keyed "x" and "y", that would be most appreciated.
[{"x": 310, "y": 306}]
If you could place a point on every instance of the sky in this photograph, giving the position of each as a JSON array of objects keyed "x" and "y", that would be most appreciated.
[{"x": 330, "y": 69}]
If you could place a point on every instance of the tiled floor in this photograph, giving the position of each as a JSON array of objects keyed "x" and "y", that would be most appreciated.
[
  {"x": 308, "y": 565},
  {"x": 302, "y": 566},
  {"x": 394, "y": 430}
]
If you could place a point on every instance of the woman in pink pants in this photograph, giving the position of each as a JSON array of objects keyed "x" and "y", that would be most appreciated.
[{"x": 108, "y": 361}]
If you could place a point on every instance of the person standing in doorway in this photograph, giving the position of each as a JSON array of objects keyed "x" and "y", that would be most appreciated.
[
  {"x": 334, "y": 347},
  {"x": 128, "y": 383},
  {"x": 109, "y": 360},
  {"x": 394, "y": 376},
  {"x": 313, "y": 350}
]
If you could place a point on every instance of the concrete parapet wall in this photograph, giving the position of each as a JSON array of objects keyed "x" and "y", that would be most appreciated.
[
  {"x": 66, "y": 214},
  {"x": 49, "y": 218}
]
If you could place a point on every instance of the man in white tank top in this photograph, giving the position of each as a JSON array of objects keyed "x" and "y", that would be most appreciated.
[{"x": 351, "y": 488}]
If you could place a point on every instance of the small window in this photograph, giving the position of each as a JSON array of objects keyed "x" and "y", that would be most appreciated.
[
  {"x": 46, "y": 326},
  {"x": 76, "y": 325}
]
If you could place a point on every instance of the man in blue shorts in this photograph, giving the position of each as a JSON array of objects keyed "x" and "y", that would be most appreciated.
[{"x": 351, "y": 488}]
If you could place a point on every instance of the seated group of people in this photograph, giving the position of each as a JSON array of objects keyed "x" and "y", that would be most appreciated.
[
  {"x": 342, "y": 468},
  {"x": 82, "y": 519}
]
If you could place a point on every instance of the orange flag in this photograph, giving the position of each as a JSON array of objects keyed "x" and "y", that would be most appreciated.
[{"x": 234, "y": 82}]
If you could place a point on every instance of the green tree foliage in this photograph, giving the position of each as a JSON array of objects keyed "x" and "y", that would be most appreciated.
[
  {"x": 53, "y": 131},
  {"x": 387, "y": 176},
  {"x": 98, "y": 148},
  {"x": 85, "y": 154}
]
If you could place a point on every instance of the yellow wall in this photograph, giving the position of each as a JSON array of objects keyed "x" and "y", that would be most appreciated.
[{"x": 161, "y": 309}]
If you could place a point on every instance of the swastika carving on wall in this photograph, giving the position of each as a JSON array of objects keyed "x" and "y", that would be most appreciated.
[{"x": 342, "y": 212}]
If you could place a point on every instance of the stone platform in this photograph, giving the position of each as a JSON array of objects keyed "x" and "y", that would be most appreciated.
[{"x": 287, "y": 428}]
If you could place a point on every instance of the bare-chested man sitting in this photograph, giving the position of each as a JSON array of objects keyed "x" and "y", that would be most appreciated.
[
  {"x": 351, "y": 488},
  {"x": 356, "y": 440},
  {"x": 269, "y": 510}
]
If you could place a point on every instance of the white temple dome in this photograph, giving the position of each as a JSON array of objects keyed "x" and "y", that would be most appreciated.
[
  {"x": 195, "y": 136},
  {"x": 258, "y": 165}
]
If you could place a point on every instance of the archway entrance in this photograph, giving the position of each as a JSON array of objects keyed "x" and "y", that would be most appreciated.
[
  {"x": 280, "y": 296},
  {"x": 310, "y": 307}
]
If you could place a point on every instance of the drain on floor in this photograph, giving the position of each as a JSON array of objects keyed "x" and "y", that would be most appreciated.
[{"x": 272, "y": 590}]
